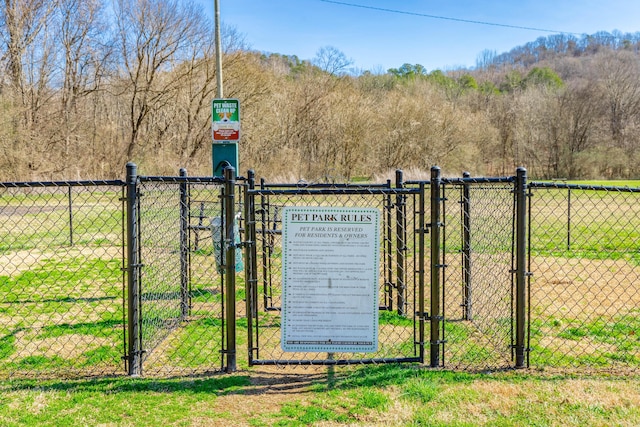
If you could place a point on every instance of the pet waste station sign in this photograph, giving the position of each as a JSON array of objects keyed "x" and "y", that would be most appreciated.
[
  {"x": 225, "y": 131},
  {"x": 226, "y": 120},
  {"x": 330, "y": 279}
]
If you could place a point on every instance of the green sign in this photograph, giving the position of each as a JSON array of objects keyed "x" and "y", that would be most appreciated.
[{"x": 225, "y": 116}]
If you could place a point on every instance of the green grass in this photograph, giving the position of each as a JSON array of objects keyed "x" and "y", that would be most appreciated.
[
  {"x": 597, "y": 342},
  {"x": 115, "y": 401},
  {"x": 62, "y": 300},
  {"x": 43, "y": 221},
  {"x": 590, "y": 224}
]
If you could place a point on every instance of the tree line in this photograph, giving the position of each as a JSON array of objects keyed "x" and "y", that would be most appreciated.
[{"x": 87, "y": 85}]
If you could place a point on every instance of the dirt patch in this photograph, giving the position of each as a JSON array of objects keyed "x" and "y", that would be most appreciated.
[
  {"x": 582, "y": 347},
  {"x": 584, "y": 288},
  {"x": 26, "y": 210},
  {"x": 19, "y": 261}
]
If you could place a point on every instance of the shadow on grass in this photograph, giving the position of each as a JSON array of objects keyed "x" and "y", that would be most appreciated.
[
  {"x": 265, "y": 382},
  {"x": 217, "y": 385}
]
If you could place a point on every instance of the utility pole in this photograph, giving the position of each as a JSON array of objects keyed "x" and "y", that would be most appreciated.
[{"x": 219, "y": 92}]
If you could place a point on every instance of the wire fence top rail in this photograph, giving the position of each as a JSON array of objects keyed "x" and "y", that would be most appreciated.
[
  {"x": 567, "y": 186},
  {"x": 83, "y": 183},
  {"x": 333, "y": 191},
  {"x": 469, "y": 180},
  {"x": 182, "y": 179},
  {"x": 305, "y": 184}
]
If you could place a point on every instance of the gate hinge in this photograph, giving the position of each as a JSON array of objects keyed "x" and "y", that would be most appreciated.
[
  {"x": 243, "y": 244},
  {"x": 126, "y": 268}
]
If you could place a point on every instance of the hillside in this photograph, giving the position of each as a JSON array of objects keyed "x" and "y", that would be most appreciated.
[{"x": 88, "y": 90}]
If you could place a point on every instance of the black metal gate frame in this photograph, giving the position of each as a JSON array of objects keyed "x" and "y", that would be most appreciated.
[
  {"x": 519, "y": 261},
  {"x": 135, "y": 352},
  {"x": 395, "y": 198}
]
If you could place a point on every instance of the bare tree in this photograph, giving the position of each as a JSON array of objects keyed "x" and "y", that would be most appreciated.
[
  {"x": 21, "y": 23},
  {"x": 154, "y": 36},
  {"x": 619, "y": 74},
  {"x": 331, "y": 60},
  {"x": 85, "y": 49}
]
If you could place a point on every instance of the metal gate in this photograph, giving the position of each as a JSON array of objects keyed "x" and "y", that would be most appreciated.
[
  {"x": 401, "y": 274},
  {"x": 176, "y": 295},
  {"x": 478, "y": 272},
  {"x": 476, "y": 299}
]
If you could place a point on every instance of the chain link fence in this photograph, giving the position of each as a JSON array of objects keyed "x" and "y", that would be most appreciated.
[
  {"x": 585, "y": 289},
  {"x": 134, "y": 276},
  {"x": 61, "y": 278}
]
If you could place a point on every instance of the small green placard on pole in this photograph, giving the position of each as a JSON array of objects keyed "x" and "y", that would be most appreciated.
[{"x": 225, "y": 116}]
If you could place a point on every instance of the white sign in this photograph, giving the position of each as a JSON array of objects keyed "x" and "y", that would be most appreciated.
[{"x": 330, "y": 279}]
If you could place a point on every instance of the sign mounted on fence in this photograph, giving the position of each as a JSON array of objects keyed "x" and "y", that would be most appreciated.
[
  {"x": 225, "y": 118},
  {"x": 330, "y": 264}
]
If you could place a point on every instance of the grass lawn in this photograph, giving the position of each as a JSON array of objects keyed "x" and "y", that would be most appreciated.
[
  {"x": 584, "y": 314},
  {"x": 387, "y": 395}
]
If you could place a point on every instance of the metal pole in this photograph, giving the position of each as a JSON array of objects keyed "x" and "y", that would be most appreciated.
[
  {"x": 266, "y": 248},
  {"x": 230, "y": 265},
  {"x": 521, "y": 263},
  {"x": 569, "y": 219},
  {"x": 421, "y": 260},
  {"x": 400, "y": 246},
  {"x": 133, "y": 265},
  {"x": 184, "y": 247},
  {"x": 219, "y": 93},
  {"x": 388, "y": 285},
  {"x": 70, "y": 218},
  {"x": 435, "y": 268},
  {"x": 466, "y": 248},
  {"x": 251, "y": 265}
]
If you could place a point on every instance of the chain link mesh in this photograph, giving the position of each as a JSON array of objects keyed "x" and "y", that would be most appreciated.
[
  {"x": 181, "y": 284},
  {"x": 61, "y": 279},
  {"x": 477, "y": 285},
  {"x": 585, "y": 289}
]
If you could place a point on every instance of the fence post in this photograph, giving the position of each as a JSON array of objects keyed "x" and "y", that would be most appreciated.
[
  {"x": 421, "y": 269},
  {"x": 435, "y": 316},
  {"x": 388, "y": 254},
  {"x": 230, "y": 265},
  {"x": 251, "y": 264},
  {"x": 569, "y": 219},
  {"x": 521, "y": 265},
  {"x": 467, "y": 302},
  {"x": 133, "y": 273},
  {"x": 400, "y": 245},
  {"x": 70, "y": 202},
  {"x": 184, "y": 246}
]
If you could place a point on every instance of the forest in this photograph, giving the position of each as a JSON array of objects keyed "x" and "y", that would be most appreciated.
[{"x": 87, "y": 85}]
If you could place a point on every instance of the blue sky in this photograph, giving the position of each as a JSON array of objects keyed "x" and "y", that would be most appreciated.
[{"x": 378, "y": 39}]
